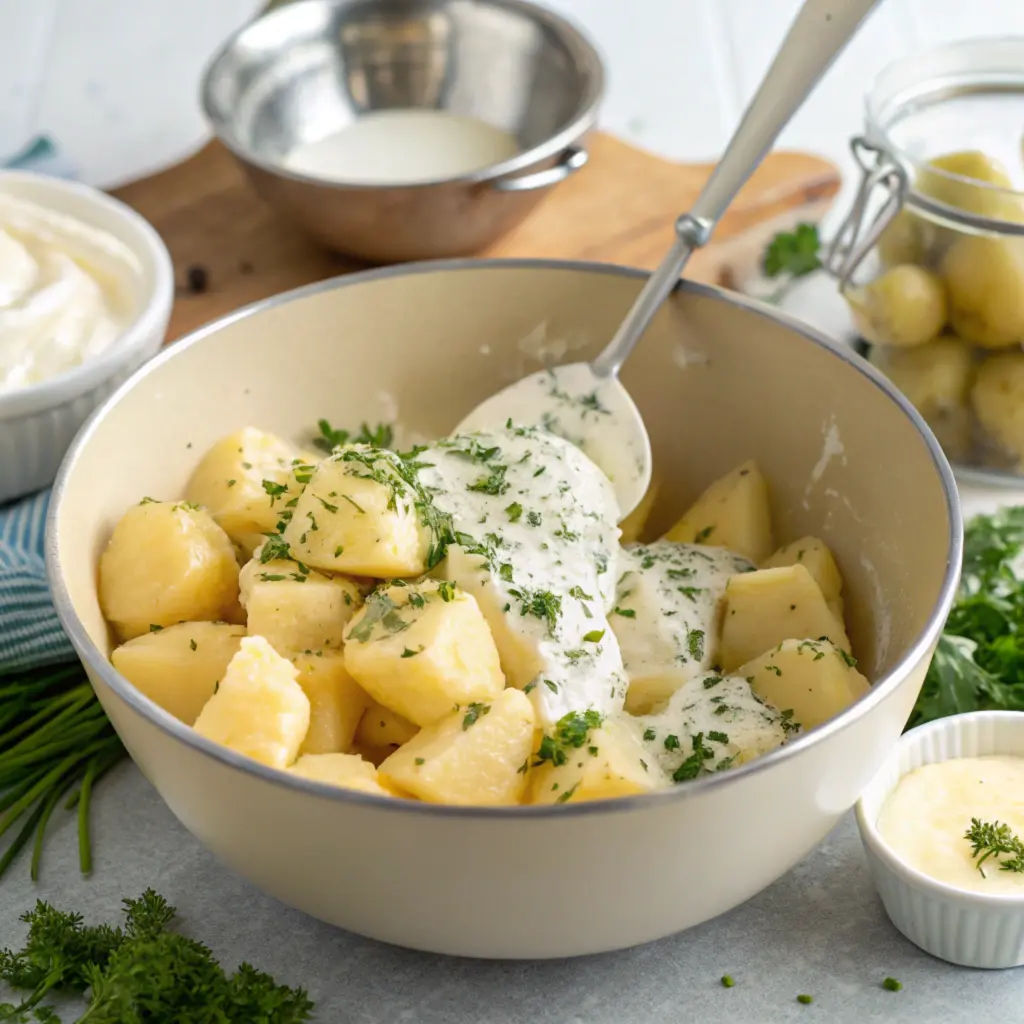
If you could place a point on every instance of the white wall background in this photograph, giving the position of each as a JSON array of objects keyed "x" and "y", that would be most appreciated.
[{"x": 114, "y": 81}]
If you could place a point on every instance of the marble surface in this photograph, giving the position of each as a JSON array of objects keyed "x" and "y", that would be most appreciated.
[{"x": 820, "y": 930}]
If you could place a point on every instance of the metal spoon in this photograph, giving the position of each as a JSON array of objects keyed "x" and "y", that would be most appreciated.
[{"x": 585, "y": 402}]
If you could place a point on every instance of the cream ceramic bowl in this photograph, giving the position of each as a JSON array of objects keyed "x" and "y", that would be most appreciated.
[{"x": 719, "y": 379}]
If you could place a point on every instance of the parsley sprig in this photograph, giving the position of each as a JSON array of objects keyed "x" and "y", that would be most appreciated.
[
  {"x": 55, "y": 744},
  {"x": 329, "y": 438},
  {"x": 979, "y": 661},
  {"x": 793, "y": 253},
  {"x": 138, "y": 971},
  {"x": 992, "y": 840}
]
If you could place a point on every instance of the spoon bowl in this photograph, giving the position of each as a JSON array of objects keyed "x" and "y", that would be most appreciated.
[{"x": 590, "y": 410}]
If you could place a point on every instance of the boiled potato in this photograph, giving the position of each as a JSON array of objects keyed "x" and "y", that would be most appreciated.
[
  {"x": 609, "y": 762},
  {"x": 985, "y": 280},
  {"x": 905, "y": 306},
  {"x": 179, "y": 667},
  {"x": 246, "y": 481},
  {"x": 336, "y": 701},
  {"x": 813, "y": 554},
  {"x": 346, "y": 770},
  {"x": 632, "y": 527},
  {"x": 358, "y": 515},
  {"x": 295, "y": 610},
  {"x": 811, "y": 678},
  {"x": 421, "y": 649},
  {"x": 998, "y": 401},
  {"x": 380, "y": 728},
  {"x": 473, "y": 756},
  {"x": 165, "y": 563},
  {"x": 259, "y": 709},
  {"x": 936, "y": 378},
  {"x": 904, "y": 241},
  {"x": 764, "y": 608},
  {"x": 732, "y": 513},
  {"x": 978, "y": 186}
]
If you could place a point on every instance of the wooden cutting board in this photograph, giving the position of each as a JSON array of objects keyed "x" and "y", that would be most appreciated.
[{"x": 620, "y": 209}]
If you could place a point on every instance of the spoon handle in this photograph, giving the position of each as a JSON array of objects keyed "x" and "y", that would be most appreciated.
[{"x": 820, "y": 32}]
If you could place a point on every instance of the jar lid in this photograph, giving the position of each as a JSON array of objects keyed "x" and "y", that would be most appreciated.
[{"x": 965, "y": 98}]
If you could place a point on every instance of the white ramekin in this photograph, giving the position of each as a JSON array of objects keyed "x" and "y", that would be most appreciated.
[
  {"x": 967, "y": 928},
  {"x": 37, "y": 423}
]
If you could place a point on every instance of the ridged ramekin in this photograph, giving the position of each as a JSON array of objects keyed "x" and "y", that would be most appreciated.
[
  {"x": 38, "y": 423},
  {"x": 971, "y": 929}
]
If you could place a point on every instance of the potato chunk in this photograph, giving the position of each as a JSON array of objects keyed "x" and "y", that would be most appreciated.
[
  {"x": 419, "y": 650},
  {"x": 472, "y": 756},
  {"x": 336, "y": 702},
  {"x": 179, "y": 667},
  {"x": 810, "y": 678},
  {"x": 380, "y": 727},
  {"x": 599, "y": 763},
  {"x": 349, "y": 771},
  {"x": 813, "y": 554},
  {"x": 358, "y": 515},
  {"x": 166, "y": 563},
  {"x": 985, "y": 280},
  {"x": 764, "y": 608},
  {"x": 245, "y": 480},
  {"x": 259, "y": 710},
  {"x": 732, "y": 513},
  {"x": 297, "y": 610}
]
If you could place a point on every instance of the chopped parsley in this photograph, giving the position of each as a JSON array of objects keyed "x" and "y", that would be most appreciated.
[
  {"x": 571, "y": 733},
  {"x": 474, "y": 712},
  {"x": 594, "y": 636},
  {"x": 514, "y": 512},
  {"x": 541, "y": 604}
]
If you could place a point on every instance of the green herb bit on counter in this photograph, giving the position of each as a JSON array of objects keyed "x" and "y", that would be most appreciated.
[
  {"x": 806, "y": 1000},
  {"x": 993, "y": 839},
  {"x": 56, "y": 743},
  {"x": 793, "y": 253},
  {"x": 892, "y": 985},
  {"x": 728, "y": 981},
  {"x": 139, "y": 971},
  {"x": 979, "y": 661}
]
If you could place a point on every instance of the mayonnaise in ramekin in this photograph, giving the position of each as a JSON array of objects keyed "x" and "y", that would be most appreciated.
[{"x": 65, "y": 292}]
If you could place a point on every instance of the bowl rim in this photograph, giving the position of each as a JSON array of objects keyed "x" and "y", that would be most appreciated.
[
  {"x": 906, "y": 874},
  {"x": 100, "y": 663},
  {"x": 582, "y": 121},
  {"x": 150, "y": 321}
]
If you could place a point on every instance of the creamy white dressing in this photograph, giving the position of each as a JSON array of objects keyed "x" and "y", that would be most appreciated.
[
  {"x": 404, "y": 147},
  {"x": 64, "y": 288},
  {"x": 595, "y": 413},
  {"x": 538, "y": 547},
  {"x": 924, "y": 820},
  {"x": 576, "y": 617},
  {"x": 667, "y": 615}
]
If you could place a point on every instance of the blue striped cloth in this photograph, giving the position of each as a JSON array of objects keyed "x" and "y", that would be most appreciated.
[{"x": 30, "y": 633}]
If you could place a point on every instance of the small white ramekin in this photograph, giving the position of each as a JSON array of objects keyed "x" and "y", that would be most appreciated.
[
  {"x": 38, "y": 423},
  {"x": 967, "y": 928}
]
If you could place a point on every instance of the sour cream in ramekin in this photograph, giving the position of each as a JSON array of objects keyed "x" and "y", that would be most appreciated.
[{"x": 66, "y": 292}]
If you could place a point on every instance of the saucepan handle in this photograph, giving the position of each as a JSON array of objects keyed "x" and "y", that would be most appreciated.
[{"x": 571, "y": 160}]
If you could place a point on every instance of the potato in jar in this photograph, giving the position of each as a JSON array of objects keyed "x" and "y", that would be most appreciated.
[
  {"x": 905, "y": 240},
  {"x": 985, "y": 280},
  {"x": 971, "y": 181},
  {"x": 166, "y": 562},
  {"x": 905, "y": 306},
  {"x": 936, "y": 378},
  {"x": 998, "y": 401}
]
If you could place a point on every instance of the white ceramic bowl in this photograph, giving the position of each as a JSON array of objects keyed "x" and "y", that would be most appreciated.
[
  {"x": 718, "y": 379},
  {"x": 37, "y": 423},
  {"x": 968, "y": 928}
]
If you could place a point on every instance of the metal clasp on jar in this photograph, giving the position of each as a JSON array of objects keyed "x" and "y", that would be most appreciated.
[{"x": 881, "y": 176}]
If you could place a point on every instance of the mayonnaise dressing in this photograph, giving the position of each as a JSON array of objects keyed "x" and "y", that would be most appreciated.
[
  {"x": 63, "y": 292},
  {"x": 577, "y": 618},
  {"x": 925, "y": 819}
]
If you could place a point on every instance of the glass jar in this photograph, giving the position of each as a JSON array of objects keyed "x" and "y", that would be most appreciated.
[{"x": 931, "y": 257}]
